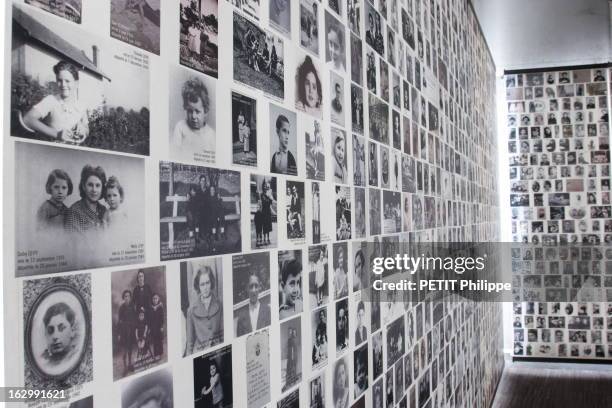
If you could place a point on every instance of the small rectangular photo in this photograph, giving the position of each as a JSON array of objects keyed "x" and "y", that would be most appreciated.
[
  {"x": 283, "y": 141},
  {"x": 356, "y": 60},
  {"x": 153, "y": 388},
  {"x": 77, "y": 209},
  {"x": 308, "y": 85},
  {"x": 251, "y": 292},
  {"x": 137, "y": 23},
  {"x": 339, "y": 154},
  {"x": 201, "y": 304},
  {"x": 342, "y": 326},
  {"x": 360, "y": 367},
  {"x": 258, "y": 58},
  {"x": 340, "y": 382},
  {"x": 199, "y": 31},
  {"x": 375, "y": 212},
  {"x": 75, "y": 88},
  {"x": 258, "y": 369},
  {"x": 317, "y": 391},
  {"x": 264, "y": 212},
  {"x": 199, "y": 211},
  {"x": 379, "y": 119},
  {"x": 71, "y": 10},
  {"x": 392, "y": 213},
  {"x": 353, "y": 11},
  {"x": 295, "y": 209},
  {"x": 343, "y": 213},
  {"x": 291, "y": 353},
  {"x": 192, "y": 116},
  {"x": 336, "y": 43},
  {"x": 290, "y": 289},
  {"x": 359, "y": 172},
  {"x": 280, "y": 16},
  {"x": 337, "y": 111},
  {"x": 140, "y": 319},
  {"x": 315, "y": 149},
  {"x": 318, "y": 329},
  {"x": 244, "y": 130},
  {"x": 340, "y": 264},
  {"x": 357, "y": 109},
  {"x": 212, "y": 379},
  {"x": 291, "y": 400},
  {"x": 309, "y": 25},
  {"x": 248, "y": 7},
  {"x": 318, "y": 276},
  {"x": 52, "y": 306},
  {"x": 360, "y": 213}
]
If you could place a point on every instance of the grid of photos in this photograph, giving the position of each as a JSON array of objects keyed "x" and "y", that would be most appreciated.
[
  {"x": 559, "y": 148},
  {"x": 375, "y": 114}
]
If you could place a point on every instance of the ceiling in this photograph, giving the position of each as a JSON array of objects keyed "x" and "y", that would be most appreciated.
[{"x": 544, "y": 33}]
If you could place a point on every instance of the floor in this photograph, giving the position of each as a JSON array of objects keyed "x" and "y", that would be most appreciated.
[{"x": 554, "y": 385}]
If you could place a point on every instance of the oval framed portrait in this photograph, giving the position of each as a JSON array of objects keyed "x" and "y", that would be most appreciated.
[{"x": 58, "y": 329}]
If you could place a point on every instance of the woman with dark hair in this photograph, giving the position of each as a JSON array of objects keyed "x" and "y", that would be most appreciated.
[
  {"x": 340, "y": 390},
  {"x": 308, "y": 88},
  {"x": 88, "y": 214},
  {"x": 205, "y": 316},
  {"x": 59, "y": 117},
  {"x": 216, "y": 387},
  {"x": 267, "y": 200}
]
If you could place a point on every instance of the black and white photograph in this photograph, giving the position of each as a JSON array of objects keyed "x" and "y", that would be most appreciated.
[
  {"x": 378, "y": 112},
  {"x": 360, "y": 370},
  {"x": 199, "y": 211},
  {"x": 212, "y": 380},
  {"x": 291, "y": 353},
  {"x": 292, "y": 399},
  {"x": 339, "y": 155},
  {"x": 244, "y": 130},
  {"x": 295, "y": 210},
  {"x": 340, "y": 383},
  {"x": 138, "y": 299},
  {"x": 264, "y": 215},
  {"x": 290, "y": 283},
  {"x": 199, "y": 31},
  {"x": 283, "y": 141},
  {"x": 280, "y": 16},
  {"x": 340, "y": 264},
  {"x": 77, "y": 209},
  {"x": 315, "y": 149},
  {"x": 396, "y": 334},
  {"x": 372, "y": 164},
  {"x": 137, "y": 22},
  {"x": 57, "y": 332},
  {"x": 357, "y": 109},
  {"x": 251, "y": 292},
  {"x": 338, "y": 108},
  {"x": 353, "y": 11},
  {"x": 86, "y": 402},
  {"x": 356, "y": 59},
  {"x": 335, "y": 43},
  {"x": 316, "y": 211},
  {"x": 258, "y": 369},
  {"x": 91, "y": 91},
  {"x": 342, "y": 326},
  {"x": 360, "y": 267},
  {"x": 201, "y": 304},
  {"x": 308, "y": 86},
  {"x": 150, "y": 390},
  {"x": 248, "y": 7},
  {"x": 320, "y": 350},
  {"x": 359, "y": 154},
  {"x": 258, "y": 58},
  {"x": 360, "y": 213},
  {"x": 377, "y": 354},
  {"x": 317, "y": 391},
  {"x": 193, "y": 114},
  {"x": 374, "y": 35},
  {"x": 318, "y": 276},
  {"x": 392, "y": 212},
  {"x": 336, "y": 6},
  {"x": 344, "y": 223},
  {"x": 71, "y": 10},
  {"x": 309, "y": 25},
  {"x": 375, "y": 211}
]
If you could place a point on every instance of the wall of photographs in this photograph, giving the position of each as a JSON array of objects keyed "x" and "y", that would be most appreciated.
[
  {"x": 559, "y": 144},
  {"x": 153, "y": 147}
]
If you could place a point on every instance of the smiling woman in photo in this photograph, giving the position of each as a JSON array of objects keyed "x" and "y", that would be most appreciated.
[{"x": 60, "y": 117}]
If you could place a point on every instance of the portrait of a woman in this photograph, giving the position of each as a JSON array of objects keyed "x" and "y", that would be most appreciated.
[
  {"x": 308, "y": 88},
  {"x": 59, "y": 116},
  {"x": 341, "y": 389},
  {"x": 205, "y": 316},
  {"x": 88, "y": 214}
]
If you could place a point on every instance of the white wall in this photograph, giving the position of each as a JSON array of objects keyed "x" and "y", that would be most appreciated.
[{"x": 543, "y": 33}]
